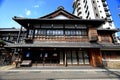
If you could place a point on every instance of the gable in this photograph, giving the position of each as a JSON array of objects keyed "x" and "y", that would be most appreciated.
[
  {"x": 60, "y": 17},
  {"x": 60, "y": 13}
]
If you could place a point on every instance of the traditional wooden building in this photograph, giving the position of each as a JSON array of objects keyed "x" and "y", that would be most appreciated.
[
  {"x": 11, "y": 34},
  {"x": 62, "y": 39}
]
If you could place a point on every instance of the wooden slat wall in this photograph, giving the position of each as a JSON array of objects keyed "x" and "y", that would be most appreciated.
[
  {"x": 106, "y": 35},
  {"x": 95, "y": 57}
]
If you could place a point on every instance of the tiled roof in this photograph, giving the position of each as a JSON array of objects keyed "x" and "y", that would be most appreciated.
[
  {"x": 102, "y": 46},
  {"x": 109, "y": 46},
  {"x": 57, "y": 44},
  {"x": 109, "y": 30},
  {"x": 11, "y": 29}
]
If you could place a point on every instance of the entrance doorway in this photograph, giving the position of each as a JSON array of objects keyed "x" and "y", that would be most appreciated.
[
  {"x": 50, "y": 57},
  {"x": 58, "y": 57},
  {"x": 77, "y": 58}
]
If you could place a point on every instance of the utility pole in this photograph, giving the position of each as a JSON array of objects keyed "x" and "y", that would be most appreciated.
[{"x": 18, "y": 38}]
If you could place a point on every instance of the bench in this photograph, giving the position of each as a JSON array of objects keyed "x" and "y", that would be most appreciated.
[{"x": 26, "y": 63}]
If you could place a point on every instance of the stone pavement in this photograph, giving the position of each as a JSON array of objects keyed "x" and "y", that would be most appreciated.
[
  {"x": 6, "y": 67},
  {"x": 58, "y": 73},
  {"x": 55, "y": 68}
]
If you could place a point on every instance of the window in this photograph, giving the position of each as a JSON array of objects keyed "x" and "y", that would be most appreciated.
[
  {"x": 79, "y": 14},
  {"x": 67, "y": 32},
  {"x": 57, "y": 32},
  {"x": 31, "y": 32},
  {"x": 100, "y": 11},
  {"x": 36, "y": 32},
  {"x": 96, "y": 15},
  {"x": 84, "y": 1},
  {"x": 78, "y": 9},
  {"x": 42, "y": 32},
  {"x": 76, "y": 32},
  {"x": 78, "y": 4},
  {"x": 110, "y": 55},
  {"x": 52, "y": 32},
  {"x": 84, "y": 33},
  {"x": 95, "y": 8}
]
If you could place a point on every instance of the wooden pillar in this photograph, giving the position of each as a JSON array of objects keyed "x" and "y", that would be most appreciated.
[
  {"x": 65, "y": 59},
  {"x": 27, "y": 33},
  {"x": 33, "y": 36},
  {"x": 95, "y": 57}
]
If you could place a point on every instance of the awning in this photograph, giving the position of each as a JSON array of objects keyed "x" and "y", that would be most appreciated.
[
  {"x": 109, "y": 46},
  {"x": 56, "y": 45}
]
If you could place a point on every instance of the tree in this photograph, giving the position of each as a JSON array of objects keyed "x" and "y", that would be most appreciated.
[{"x": 2, "y": 42}]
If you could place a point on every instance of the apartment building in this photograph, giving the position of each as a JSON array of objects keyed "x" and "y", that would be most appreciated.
[{"x": 95, "y": 9}]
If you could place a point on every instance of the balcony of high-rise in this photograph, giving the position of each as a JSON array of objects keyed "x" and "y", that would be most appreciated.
[
  {"x": 103, "y": 0},
  {"x": 104, "y": 4},
  {"x": 108, "y": 14}
]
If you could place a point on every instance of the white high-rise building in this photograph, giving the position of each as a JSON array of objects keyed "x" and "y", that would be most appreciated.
[{"x": 93, "y": 9}]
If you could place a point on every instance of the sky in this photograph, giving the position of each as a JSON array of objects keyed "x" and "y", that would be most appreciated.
[
  {"x": 38, "y": 8},
  {"x": 28, "y": 9}
]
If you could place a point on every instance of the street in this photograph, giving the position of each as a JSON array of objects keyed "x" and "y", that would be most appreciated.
[{"x": 59, "y": 75}]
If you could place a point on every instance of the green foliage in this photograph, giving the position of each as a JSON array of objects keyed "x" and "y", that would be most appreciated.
[{"x": 2, "y": 42}]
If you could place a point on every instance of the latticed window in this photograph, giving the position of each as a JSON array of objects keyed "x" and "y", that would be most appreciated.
[
  {"x": 111, "y": 55},
  {"x": 31, "y": 32},
  {"x": 70, "y": 32}
]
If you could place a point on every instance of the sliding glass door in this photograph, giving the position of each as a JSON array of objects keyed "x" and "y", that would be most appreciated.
[{"x": 77, "y": 57}]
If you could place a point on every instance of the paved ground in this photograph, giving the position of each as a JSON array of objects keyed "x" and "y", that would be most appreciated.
[
  {"x": 6, "y": 67},
  {"x": 58, "y": 73}
]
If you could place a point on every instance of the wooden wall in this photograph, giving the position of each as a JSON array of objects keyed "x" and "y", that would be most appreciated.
[
  {"x": 95, "y": 57},
  {"x": 92, "y": 32},
  {"x": 102, "y": 37}
]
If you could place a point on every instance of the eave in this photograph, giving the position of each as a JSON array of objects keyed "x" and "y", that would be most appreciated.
[
  {"x": 55, "y": 45},
  {"x": 25, "y": 21},
  {"x": 108, "y": 30}
]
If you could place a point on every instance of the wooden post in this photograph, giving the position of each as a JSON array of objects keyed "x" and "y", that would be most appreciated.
[{"x": 65, "y": 60}]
